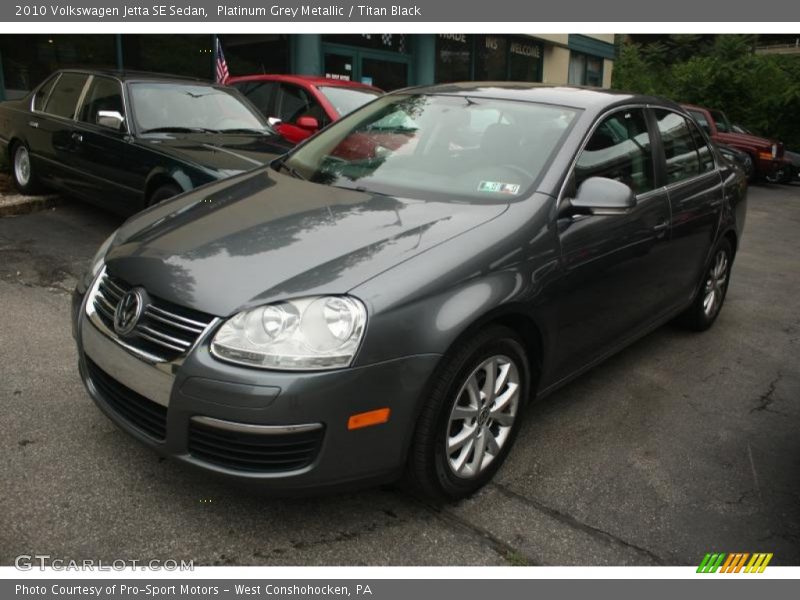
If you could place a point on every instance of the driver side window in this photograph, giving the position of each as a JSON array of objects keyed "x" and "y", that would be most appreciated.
[
  {"x": 619, "y": 149},
  {"x": 104, "y": 94}
]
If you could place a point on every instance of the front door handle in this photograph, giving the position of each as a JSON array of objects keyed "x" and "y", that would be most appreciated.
[
  {"x": 34, "y": 124},
  {"x": 661, "y": 227},
  {"x": 77, "y": 137}
]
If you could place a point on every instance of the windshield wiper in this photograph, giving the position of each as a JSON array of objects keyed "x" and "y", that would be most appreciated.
[
  {"x": 180, "y": 130},
  {"x": 245, "y": 130}
]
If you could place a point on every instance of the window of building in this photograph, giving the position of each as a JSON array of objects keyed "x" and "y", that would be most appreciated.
[
  {"x": 253, "y": 54},
  {"x": 391, "y": 42},
  {"x": 453, "y": 57},
  {"x": 30, "y": 59},
  {"x": 683, "y": 159},
  {"x": 63, "y": 100},
  {"x": 619, "y": 149},
  {"x": 491, "y": 58},
  {"x": 104, "y": 93},
  {"x": 525, "y": 61},
  {"x": 186, "y": 54},
  {"x": 585, "y": 69}
]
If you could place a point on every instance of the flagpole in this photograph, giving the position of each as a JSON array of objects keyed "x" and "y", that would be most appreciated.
[{"x": 214, "y": 55}]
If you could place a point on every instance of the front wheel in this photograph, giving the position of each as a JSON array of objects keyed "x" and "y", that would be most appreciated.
[
  {"x": 708, "y": 302},
  {"x": 471, "y": 417}
]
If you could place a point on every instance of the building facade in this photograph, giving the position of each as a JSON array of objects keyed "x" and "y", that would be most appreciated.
[{"x": 388, "y": 61}]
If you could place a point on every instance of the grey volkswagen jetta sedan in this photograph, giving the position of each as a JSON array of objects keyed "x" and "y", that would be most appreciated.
[{"x": 387, "y": 298}]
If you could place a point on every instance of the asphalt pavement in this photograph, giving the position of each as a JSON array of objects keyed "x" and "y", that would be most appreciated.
[{"x": 682, "y": 444}]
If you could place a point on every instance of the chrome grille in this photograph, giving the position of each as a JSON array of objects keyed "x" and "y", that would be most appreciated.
[{"x": 165, "y": 330}]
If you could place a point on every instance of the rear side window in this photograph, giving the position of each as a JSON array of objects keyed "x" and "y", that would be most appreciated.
[
  {"x": 619, "y": 149},
  {"x": 63, "y": 101},
  {"x": 43, "y": 92},
  {"x": 703, "y": 150},
  {"x": 683, "y": 158},
  {"x": 103, "y": 94}
]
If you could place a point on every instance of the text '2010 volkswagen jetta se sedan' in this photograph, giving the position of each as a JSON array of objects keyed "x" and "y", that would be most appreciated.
[{"x": 387, "y": 298}]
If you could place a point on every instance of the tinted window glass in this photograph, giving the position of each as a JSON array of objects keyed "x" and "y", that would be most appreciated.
[
  {"x": 41, "y": 95},
  {"x": 260, "y": 93},
  {"x": 723, "y": 125},
  {"x": 683, "y": 160},
  {"x": 703, "y": 150},
  {"x": 701, "y": 120},
  {"x": 103, "y": 94},
  {"x": 295, "y": 102},
  {"x": 63, "y": 100},
  {"x": 619, "y": 149}
]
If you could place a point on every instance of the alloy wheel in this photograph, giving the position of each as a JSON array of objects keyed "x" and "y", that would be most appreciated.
[
  {"x": 482, "y": 416},
  {"x": 22, "y": 166},
  {"x": 715, "y": 284}
]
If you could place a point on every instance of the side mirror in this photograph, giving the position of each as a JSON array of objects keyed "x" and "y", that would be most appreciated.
[
  {"x": 602, "y": 196},
  {"x": 111, "y": 119},
  {"x": 308, "y": 123}
]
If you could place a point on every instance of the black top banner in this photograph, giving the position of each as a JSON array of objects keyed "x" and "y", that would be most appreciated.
[{"x": 783, "y": 11}]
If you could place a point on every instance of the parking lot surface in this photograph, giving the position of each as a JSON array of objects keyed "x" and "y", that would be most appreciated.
[{"x": 681, "y": 445}]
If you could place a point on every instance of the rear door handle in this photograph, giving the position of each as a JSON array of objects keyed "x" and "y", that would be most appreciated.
[
  {"x": 77, "y": 137},
  {"x": 34, "y": 124}
]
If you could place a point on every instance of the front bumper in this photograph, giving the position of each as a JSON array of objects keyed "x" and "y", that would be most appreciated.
[{"x": 288, "y": 430}]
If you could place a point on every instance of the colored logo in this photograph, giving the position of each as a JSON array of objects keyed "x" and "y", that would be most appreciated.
[{"x": 735, "y": 562}]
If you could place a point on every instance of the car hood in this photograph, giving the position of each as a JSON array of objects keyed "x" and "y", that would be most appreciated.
[
  {"x": 743, "y": 138},
  {"x": 219, "y": 152},
  {"x": 264, "y": 236}
]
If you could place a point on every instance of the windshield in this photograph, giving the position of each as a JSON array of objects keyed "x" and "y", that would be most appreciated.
[
  {"x": 416, "y": 145},
  {"x": 723, "y": 125},
  {"x": 346, "y": 100},
  {"x": 178, "y": 107}
]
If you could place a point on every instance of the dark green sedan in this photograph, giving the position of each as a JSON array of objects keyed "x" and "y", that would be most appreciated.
[{"x": 130, "y": 140}]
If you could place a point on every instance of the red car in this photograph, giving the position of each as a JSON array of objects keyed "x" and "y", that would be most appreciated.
[
  {"x": 299, "y": 105},
  {"x": 767, "y": 154}
]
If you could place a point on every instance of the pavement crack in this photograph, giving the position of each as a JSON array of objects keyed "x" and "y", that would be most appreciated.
[
  {"x": 766, "y": 399},
  {"x": 568, "y": 519},
  {"x": 513, "y": 556}
]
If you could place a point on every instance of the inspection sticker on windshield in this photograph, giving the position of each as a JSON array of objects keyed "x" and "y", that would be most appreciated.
[{"x": 498, "y": 187}]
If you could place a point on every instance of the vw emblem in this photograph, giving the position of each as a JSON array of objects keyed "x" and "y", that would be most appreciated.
[{"x": 128, "y": 311}]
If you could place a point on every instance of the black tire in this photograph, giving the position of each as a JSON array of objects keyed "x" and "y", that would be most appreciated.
[
  {"x": 22, "y": 170},
  {"x": 164, "y": 192},
  {"x": 697, "y": 317},
  {"x": 429, "y": 470}
]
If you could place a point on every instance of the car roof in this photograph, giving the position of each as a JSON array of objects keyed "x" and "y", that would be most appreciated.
[
  {"x": 126, "y": 75},
  {"x": 315, "y": 80},
  {"x": 563, "y": 95}
]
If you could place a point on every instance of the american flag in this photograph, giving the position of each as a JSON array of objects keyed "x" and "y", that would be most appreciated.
[{"x": 222, "y": 66}]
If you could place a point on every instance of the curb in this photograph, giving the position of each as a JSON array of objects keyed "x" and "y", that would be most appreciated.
[{"x": 11, "y": 206}]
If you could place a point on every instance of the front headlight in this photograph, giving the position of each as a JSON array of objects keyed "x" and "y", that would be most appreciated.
[{"x": 320, "y": 332}]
